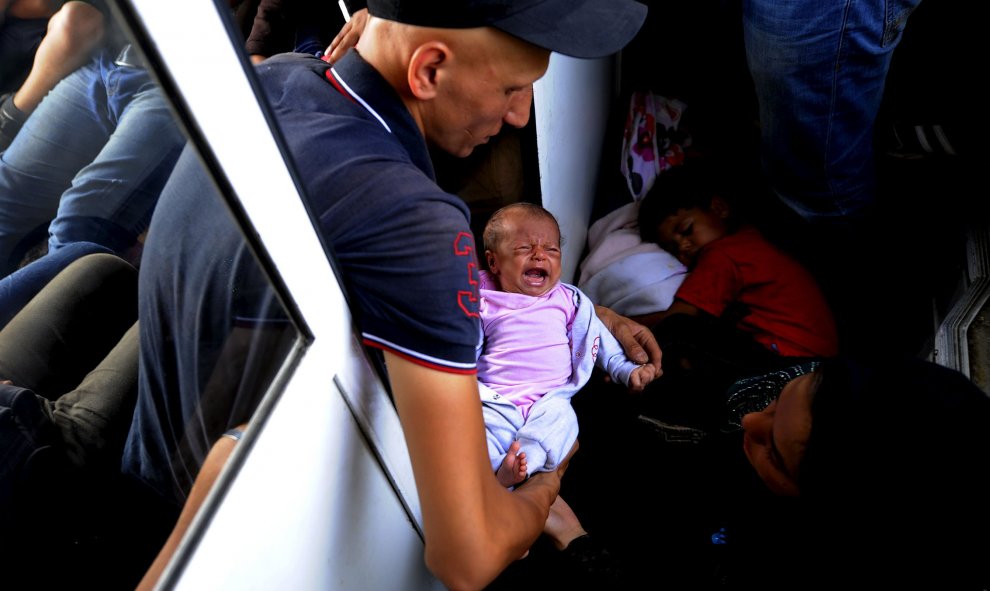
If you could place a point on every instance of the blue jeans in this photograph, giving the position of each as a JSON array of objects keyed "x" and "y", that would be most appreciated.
[
  {"x": 89, "y": 162},
  {"x": 819, "y": 69},
  {"x": 17, "y": 289}
]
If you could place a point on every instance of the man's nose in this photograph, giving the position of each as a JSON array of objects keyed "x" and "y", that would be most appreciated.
[{"x": 517, "y": 114}]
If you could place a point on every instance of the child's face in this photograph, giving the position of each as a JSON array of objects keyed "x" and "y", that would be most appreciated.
[
  {"x": 527, "y": 258},
  {"x": 686, "y": 232}
]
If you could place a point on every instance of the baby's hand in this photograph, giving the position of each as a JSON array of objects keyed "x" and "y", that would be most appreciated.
[{"x": 641, "y": 376}]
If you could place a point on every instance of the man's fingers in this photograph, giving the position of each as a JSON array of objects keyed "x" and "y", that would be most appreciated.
[
  {"x": 651, "y": 348},
  {"x": 348, "y": 36},
  {"x": 637, "y": 341}
]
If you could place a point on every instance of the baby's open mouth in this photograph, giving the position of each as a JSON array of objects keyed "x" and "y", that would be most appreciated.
[{"x": 535, "y": 274}]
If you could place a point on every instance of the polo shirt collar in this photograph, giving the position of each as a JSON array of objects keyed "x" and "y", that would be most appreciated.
[{"x": 359, "y": 81}]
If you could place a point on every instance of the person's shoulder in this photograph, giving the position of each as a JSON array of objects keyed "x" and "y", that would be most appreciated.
[
  {"x": 756, "y": 245},
  {"x": 744, "y": 234},
  {"x": 719, "y": 252},
  {"x": 487, "y": 281},
  {"x": 285, "y": 62},
  {"x": 576, "y": 300},
  {"x": 743, "y": 242},
  {"x": 284, "y": 71}
]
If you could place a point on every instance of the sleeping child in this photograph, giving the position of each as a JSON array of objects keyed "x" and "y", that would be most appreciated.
[{"x": 745, "y": 307}]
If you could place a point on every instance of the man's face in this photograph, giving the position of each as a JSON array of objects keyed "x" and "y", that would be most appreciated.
[
  {"x": 483, "y": 89},
  {"x": 686, "y": 232},
  {"x": 527, "y": 258},
  {"x": 775, "y": 438}
]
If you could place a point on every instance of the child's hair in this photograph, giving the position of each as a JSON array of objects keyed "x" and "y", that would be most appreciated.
[
  {"x": 496, "y": 225},
  {"x": 690, "y": 185}
]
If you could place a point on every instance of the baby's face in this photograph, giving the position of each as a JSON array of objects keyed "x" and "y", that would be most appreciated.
[
  {"x": 686, "y": 232},
  {"x": 527, "y": 259}
]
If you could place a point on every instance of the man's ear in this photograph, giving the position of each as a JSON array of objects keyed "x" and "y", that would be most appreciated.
[{"x": 426, "y": 62}]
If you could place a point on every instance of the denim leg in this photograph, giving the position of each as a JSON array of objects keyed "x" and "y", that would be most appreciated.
[
  {"x": 17, "y": 289},
  {"x": 308, "y": 40},
  {"x": 112, "y": 197},
  {"x": 819, "y": 70},
  {"x": 66, "y": 132}
]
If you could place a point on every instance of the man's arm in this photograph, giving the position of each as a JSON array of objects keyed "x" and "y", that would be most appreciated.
[
  {"x": 272, "y": 30},
  {"x": 637, "y": 341},
  {"x": 207, "y": 476},
  {"x": 474, "y": 527}
]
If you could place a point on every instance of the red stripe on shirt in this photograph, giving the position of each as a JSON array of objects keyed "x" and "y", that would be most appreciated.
[
  {"x": 418, "y": 361},
  {"x": 339, "y": 88}
]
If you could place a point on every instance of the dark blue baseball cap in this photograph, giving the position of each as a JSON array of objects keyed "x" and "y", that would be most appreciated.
[{"x": 578, "y": 28}]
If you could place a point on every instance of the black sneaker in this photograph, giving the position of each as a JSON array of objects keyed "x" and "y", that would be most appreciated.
[
  {"x": 11, "y": 120},
  {"x": 591, "y": 565},
  {"x": 917, "y": 142},
  {"x": 671, "y": 433}
]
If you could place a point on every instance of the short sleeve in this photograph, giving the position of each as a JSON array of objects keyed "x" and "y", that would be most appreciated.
[
  {"x": 408, "y": 260},
  {"x": 713, "y": 284}
]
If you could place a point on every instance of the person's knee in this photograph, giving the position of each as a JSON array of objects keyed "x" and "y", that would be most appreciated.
[
  {"x": 102, "y": 284},
  {"x": 100, "y": 269},
  {"x": 76, "y": 24}
]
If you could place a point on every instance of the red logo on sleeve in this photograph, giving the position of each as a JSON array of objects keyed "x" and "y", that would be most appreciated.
[{"x": 468, "y": 299}]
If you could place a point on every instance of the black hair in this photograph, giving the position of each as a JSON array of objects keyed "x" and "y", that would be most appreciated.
[
  {"x": 896, "y": 459},
  {"x": 687, "y": 186},
  {"x": 868, "y": 414}
]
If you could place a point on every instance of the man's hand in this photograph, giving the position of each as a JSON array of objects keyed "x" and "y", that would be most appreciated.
[
  {"x": 554, "y": 476},
  {"x": 638, "y": 341},
  {"x": 347, "y": 37}
]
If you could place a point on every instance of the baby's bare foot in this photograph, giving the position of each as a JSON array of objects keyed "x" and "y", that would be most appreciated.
[{"x": 513, "y": 468}]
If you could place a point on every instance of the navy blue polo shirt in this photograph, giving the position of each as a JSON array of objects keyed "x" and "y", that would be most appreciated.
[{"x": 403, "y": 246}]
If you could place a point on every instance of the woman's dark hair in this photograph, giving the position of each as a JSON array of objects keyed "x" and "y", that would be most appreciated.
[
  {"x": 898, "y": 458},
  {"x": 690, "y": 185}
]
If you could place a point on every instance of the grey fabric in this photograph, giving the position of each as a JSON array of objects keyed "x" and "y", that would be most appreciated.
[
  {"x": 75, "y": 345},
  {"x": 93, "y": 419}
]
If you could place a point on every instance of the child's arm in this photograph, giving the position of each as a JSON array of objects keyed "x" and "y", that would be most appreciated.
[
  {"x": 641, "y": 377},
  {"x": 678, "y": 307}
]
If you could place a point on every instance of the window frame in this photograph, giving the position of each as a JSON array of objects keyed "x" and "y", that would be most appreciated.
[{"x": 192, "y": 50}]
